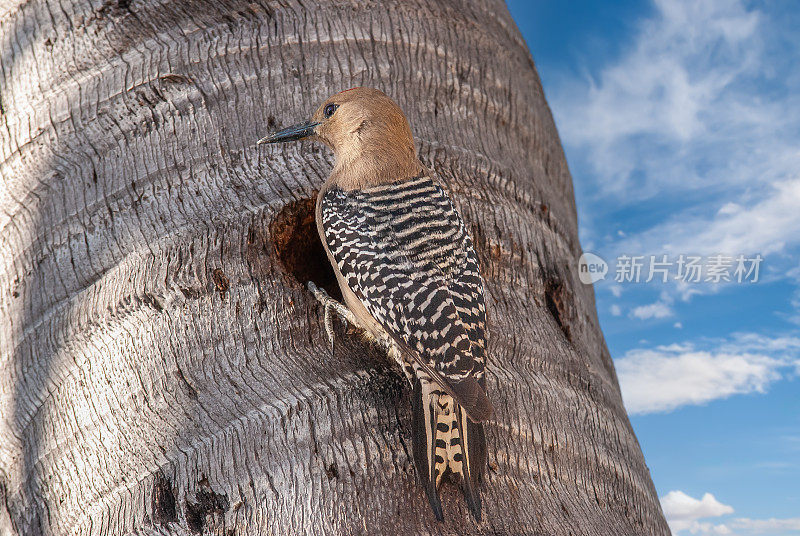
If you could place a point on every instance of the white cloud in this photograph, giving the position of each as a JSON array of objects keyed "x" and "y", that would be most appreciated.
[
  {"x": 684, "y": 512},
  {"x": 667, "y": 377},
  {"x": 677, "y": 325},
  {"x": 687, "y": 515},
  {"x": 678, "y": 505},
  {"x": 615, "y": 310},
  {"x": 658, "y": 309}
]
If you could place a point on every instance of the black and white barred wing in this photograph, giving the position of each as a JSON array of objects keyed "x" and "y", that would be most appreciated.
[{"x": 404, "y": 252}]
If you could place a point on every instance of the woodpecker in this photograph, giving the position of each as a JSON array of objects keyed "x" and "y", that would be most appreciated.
[{"x": 409, "y": 278}]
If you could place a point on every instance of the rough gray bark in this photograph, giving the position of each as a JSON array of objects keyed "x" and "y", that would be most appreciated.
[{"x": 162, "y": 368}]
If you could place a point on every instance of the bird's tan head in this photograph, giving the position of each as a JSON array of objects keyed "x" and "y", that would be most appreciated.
[{"x": 369, "y": 135}]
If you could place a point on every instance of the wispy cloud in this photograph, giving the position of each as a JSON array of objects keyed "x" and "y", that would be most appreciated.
[
  {"x": 788, "y": 345},
  {"x": 767, "y": 526},
  {"x": 664, "y": 378},
  {"x": 654, "y": 310},
  {"x": 680, "y": 99},
  {"x": 767, "y": 225},
  {"x": 697, "y": 119}
]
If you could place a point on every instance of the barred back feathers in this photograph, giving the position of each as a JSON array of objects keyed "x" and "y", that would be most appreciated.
[{"x": 404, "y": 252}]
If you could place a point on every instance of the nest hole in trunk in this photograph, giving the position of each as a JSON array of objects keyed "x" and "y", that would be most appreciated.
[{"x": 299, "y": 249}]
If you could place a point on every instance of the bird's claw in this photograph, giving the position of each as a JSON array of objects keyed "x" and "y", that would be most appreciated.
[{"x": 328, "y": 305}]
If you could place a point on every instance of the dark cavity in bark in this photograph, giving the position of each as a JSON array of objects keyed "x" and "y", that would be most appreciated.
[
  {"x": 163, "y": 502},
  {"x": 557, "y": 297},
  {"x": 207, "y": 504},
  {"x": 298, "y": 247}
]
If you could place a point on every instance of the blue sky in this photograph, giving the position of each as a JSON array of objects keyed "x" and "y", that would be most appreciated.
[{"x": 681, "y": 125}]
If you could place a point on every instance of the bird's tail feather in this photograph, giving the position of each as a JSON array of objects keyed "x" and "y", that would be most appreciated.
[
  {"x": 423, "y": 432},
  {"x": 445, "y": 438},
  {"x": 474, "y": 459}
]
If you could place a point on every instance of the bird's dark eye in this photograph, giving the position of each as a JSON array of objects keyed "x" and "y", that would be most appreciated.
[{"x": 329, "y": 109}]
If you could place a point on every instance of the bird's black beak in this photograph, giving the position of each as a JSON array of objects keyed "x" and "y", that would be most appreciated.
[{"x": 294, "y": 132}]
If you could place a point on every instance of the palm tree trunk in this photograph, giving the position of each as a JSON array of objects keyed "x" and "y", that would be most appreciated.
[{"x": 162, "y": 367}]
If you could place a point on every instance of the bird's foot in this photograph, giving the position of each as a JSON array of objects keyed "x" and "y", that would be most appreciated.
[
  {"x": 328, "y": 305},
  {"x": 383, "y": 340}
]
